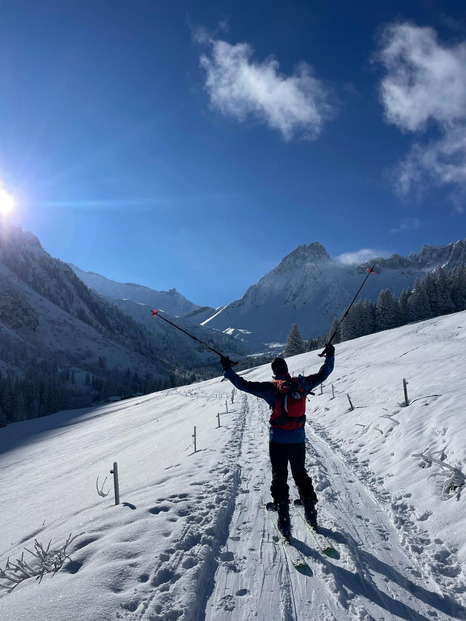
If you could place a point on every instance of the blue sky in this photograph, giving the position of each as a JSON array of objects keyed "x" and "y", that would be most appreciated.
[{"x": 194, "y": 144}]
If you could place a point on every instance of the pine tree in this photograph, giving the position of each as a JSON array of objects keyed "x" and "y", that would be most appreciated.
[
  {"x": 403, "y": 304},
  {"x": 444, "y": 302},
  {"x": 430, "y": 287},
  {"x": 368, "y": 308},
  {"x": 294, "y": 342},
  {"x": 3, "y": 418},
  {"x": 350, "y": 328},
  {"x": 359, "y": 321},
  {"x": 387, "y": 311},
  {"x": 458, "y": 288},
  {"x": 335, "y": 327},
  {"x": 418, "y": 303}
]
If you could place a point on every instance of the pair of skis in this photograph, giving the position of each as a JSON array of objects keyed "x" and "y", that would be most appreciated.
[
  {"x": 296, "y": 558},
  {"x": 323, "y": 545}
]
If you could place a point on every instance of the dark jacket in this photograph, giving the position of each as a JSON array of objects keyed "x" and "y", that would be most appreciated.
[{"x": 267, "y": 391}]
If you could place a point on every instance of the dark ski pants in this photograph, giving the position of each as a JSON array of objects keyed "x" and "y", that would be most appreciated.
[{"x": 295, "y": 455}]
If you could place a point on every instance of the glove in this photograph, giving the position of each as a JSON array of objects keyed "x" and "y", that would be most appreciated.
[
  {"x": 225, "y": 362},
  {"x": 329, "y": 350}
]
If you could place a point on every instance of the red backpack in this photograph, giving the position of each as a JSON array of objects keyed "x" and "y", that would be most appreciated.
[{"x": 290, "y": 404}]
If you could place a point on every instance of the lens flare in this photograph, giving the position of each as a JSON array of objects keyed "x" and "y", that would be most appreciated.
[{"x": 7, "y": 203}]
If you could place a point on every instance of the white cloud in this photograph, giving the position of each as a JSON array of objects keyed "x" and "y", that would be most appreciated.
[
  {"x": 441, "y": 162},
  {"x": 425, "y": 85},
  {"x": 202, "y": 35},
  {"x": 296, "y": 105},
  {"x": 410, "y": 224},
  {"x": 425, "y": 80},
  {"x": 361, "y": 256}
]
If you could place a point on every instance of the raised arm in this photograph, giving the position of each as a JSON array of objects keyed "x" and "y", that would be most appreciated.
[
  {"x": 311, "y": 381},
  {"x": 264, "y": 390}
]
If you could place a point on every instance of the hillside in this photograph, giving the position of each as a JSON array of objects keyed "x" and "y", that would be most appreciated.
[
  {"x": 191, "y": 539},
  {"x": 62, "y": 345}
]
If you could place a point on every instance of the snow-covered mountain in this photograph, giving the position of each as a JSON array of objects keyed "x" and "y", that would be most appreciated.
[
  {"x": 170, "y": 302},
  {"x": 310, "y": 289},
  {"x": 138, "y": 302},
  {"x": 191, "y": 539}
]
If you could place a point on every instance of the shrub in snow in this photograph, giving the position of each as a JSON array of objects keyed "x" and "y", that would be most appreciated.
[
  {"x": 455, "y": 479},
  {"x": 42, "y": 561}
]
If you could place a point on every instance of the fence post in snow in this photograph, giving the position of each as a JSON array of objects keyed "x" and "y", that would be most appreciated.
[
  {"x": 321, "y": 389},
  {"x": 350, "y": 402},
  {"x": 218, "y": 418},
  {"x": 194, "y": 439},
  {"x": 226, "y": 404},
  {"x": 233, "y": 395},
  {"x": 333, "y": 391},
  {"x": 405, "y": 384},
  {"x": 116, "y": 482}
]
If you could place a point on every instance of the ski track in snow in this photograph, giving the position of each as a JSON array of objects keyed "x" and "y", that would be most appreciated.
[
  {"x": 379, "y": 574},
  {"x": 188, "y": 564}
]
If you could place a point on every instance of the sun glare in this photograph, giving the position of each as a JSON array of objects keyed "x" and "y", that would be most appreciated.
[{"x": 7, "y": 203}]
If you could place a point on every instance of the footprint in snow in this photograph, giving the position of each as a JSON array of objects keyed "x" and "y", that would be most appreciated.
[{"x": 159, "y": 509}]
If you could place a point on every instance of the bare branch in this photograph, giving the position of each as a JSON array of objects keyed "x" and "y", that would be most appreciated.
[{"x": 43, "y": 560}]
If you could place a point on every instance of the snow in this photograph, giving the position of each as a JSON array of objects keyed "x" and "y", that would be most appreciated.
[
  {"x": 170, "y": 301},
  {"x": 191, "y": 539}
]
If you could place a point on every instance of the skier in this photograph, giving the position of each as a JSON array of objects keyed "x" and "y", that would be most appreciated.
[{"x": 287, "y": 399}]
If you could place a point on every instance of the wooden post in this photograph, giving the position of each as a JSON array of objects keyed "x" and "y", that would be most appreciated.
[
  {"x": 405, "y": 384},
  {"x": 194, "y": 439},
  {"x": 116, "y": 482},
  {"x": 233, "y": 395},
  {"x": 226, "y": 404},
  {"x": 333, "y": 391},
  {"x": 350, "y": 402},
  {"x": 321, "y": 389},
  {"x": 218, "y": 417}
]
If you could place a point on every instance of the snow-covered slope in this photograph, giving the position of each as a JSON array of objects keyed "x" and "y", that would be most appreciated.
[
  {"x": 311, "y": 289},
  {"x": 170, "y": 301},
  {"x": 46, "y": 308},
  {"x": 191, "y": 539}
]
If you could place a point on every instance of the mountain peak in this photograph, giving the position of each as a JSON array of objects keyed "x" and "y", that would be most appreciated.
[
  {"x": 12, "y": 234},
  {"x": 304, "y": 254}
]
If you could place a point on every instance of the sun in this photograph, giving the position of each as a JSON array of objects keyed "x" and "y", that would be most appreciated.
[{"x": 7, "y": 203}]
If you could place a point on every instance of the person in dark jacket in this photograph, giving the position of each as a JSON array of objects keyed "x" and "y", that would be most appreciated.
[{"x": 287, "y": 436}]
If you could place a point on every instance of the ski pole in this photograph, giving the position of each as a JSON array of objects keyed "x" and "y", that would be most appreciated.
[
  {"x": 343, "y": 317},
  {"x": 155, "y": 313}
]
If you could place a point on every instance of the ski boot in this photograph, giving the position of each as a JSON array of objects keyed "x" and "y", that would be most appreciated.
[
  {"x": 310, "y": 512},
  {"x": 283, "y": 523}
]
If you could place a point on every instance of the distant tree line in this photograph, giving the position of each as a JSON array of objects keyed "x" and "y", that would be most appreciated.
[
  {"x": 45, "y": 387},
  {"x": 439, "y": 293}
]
